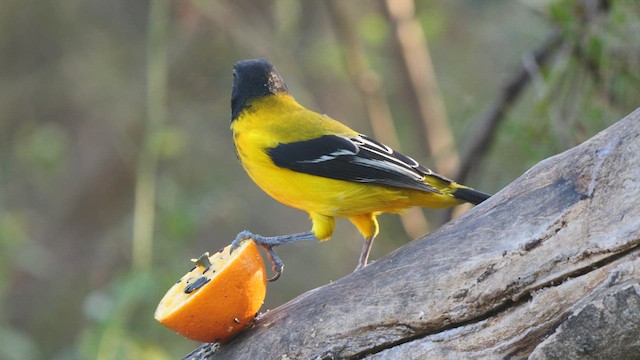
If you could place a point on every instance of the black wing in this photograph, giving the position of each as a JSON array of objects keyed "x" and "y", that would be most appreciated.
[{"x": 358, "y": 159}]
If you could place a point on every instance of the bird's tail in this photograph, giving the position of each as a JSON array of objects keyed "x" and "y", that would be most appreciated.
[{"x": 470, "y": 195}]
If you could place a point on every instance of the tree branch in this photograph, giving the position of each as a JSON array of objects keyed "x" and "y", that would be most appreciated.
[
  {"x": 369, "y": 85},
  {"x": 425, "y": 97}
]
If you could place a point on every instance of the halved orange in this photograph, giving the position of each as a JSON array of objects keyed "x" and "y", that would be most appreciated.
[{"x": 219, "y": 297}]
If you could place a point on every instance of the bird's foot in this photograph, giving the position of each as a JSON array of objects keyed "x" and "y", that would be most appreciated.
[{"x": 268, "y": 243}]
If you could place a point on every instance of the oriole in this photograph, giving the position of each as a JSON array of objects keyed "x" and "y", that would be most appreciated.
[{"x": 313, "y": 163}]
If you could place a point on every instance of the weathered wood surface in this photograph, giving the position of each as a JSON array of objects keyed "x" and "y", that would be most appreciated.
[{"x": 548, "y": 268}]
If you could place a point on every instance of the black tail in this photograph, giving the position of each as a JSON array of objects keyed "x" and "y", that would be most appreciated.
[{"x": 471, "y": 196}]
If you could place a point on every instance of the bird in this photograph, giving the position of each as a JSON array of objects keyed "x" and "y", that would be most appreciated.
[{"x": 311, "y": 162}]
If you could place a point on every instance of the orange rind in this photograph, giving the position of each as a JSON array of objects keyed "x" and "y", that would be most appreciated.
[{"x": 219, "y": 297}]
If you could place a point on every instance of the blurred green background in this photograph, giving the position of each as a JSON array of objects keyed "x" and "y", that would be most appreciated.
[{"x": 117, "y": 165}]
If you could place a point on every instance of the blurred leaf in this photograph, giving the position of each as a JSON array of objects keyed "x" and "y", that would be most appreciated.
[
  {"x": 16, "y": 345},
  {"x": 179, "y": 223},
  {"x": 433, "y": 21},
  {"x": 168, "y": 143},
  {"x": 16, "y": 248},
  {"x": 13, "y": 231},
  {"x": 373, "y": 29},
  {"x": 45, "y": 147},
  {"x": 121, "y": 312},
  {"x": 563, "y": 12},
  {"x": 98, "y": 306},
  {"x": 287, "y": 16},
  {"x": 326, "y": 58},
  {"x": 594, "y": 47}
]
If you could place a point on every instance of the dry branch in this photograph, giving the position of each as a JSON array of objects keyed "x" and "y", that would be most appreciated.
[
  {"x": 424, "y": 97},
  {"x": 369, "y": 85},
  {"x": 526, "y": 273}
]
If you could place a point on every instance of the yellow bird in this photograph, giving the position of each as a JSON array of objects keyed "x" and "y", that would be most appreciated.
[{"x": 316, "y": 164}]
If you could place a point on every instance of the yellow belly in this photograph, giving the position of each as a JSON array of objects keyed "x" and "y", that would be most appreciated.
[
  {"x": 337, "y": 198},
  {"x": 325, "y": 196}
]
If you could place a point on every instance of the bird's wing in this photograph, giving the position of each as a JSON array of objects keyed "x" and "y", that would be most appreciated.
[{"x": 358, "y": 159}]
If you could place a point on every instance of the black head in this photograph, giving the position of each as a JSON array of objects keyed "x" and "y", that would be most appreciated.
[{"x": 252, "y": 79}]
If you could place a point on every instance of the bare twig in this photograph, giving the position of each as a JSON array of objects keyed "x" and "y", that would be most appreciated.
[
  {"x": 366, "y": 80},
  {"x": 425, "y": 97},
  {"x": 144, "y": 209},
  {"x": 369, "y": 85}
]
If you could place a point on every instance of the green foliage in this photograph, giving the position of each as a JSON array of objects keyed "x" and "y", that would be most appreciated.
[
  {"x": 434, "y": 19},
  {"x": 597, "y": 75},
  {"x": 16, "y": 345},
  {"x": 373, "y": 29},
  {"x": 46, "y": 148},
  {"x": 117, "y": 315}
]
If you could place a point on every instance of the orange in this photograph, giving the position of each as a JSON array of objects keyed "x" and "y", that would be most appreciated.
[{"x": 219, "y": 297}]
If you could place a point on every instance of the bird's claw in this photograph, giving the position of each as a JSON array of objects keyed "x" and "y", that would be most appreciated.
[
  {"x": 242, "y": 236},
  {"x": 277, "y": 264}
]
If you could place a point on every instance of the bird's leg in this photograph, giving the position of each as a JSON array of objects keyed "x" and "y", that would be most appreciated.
[
  {"x": 364, "y": 254},
  {"x": 268, "y": 243}
]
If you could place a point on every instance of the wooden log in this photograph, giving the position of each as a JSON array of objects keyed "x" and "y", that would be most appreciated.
[{"x": 549, "y": 268}]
